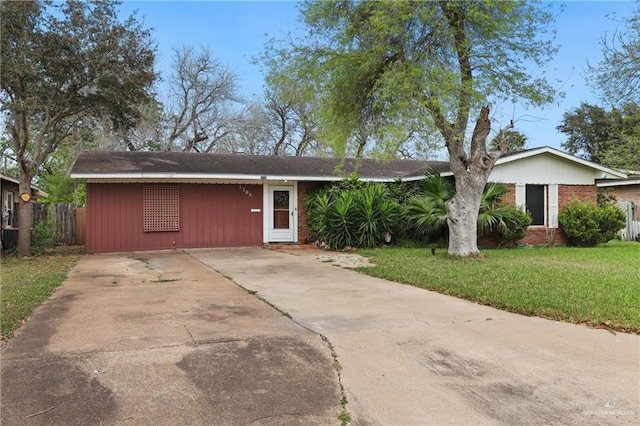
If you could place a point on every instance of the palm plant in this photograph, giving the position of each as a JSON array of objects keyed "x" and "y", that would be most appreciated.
[
  {"x": 341, "y": 221},
  {"x": 428, "y": 212},
  {"x": 492, "y": 214},
  {"x": 377, "y": 215},
  {"x": 317, "y": 205},
  {"x": 429, "y": 215}
]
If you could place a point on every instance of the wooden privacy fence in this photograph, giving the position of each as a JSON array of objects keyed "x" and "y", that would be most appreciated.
[
  {"x": 38, "y": 212},
  {"x": 63, "y": 222},
  {"x": 68, "y": 223},
  {"x": 632, "y": 230}
]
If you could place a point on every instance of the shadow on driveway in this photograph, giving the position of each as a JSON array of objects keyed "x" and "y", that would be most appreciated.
[
  {"x": 415, "y": 357},
  {"x": 159, "y": 338}
]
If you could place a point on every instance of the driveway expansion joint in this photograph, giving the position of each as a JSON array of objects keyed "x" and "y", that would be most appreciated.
[{"x": 344, "y": 414}]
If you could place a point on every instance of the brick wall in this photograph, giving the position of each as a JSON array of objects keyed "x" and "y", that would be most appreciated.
[
  {"x": 567, "y": 193},
  {"x": 541, "y": 235},
  {"x": 509, "y": 197},
  {"x": 627, "y": 193}
]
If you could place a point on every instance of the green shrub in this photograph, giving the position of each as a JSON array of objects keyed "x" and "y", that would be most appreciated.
[
  {"x": 317, "y": 206},
  {"x": 514, "y": 224},
  {"x": 377, "y": 214},
  {"x": 611, "y": 219},
  {"x": 41, "y": 237},
  {"x": 342, "y": 221},
  {"x": 587, "y": 225},
  {"x": 351, "y": 214}
]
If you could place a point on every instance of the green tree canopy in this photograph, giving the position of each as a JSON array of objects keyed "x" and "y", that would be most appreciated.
[
  {"x": 617, "y": 75},
  {"x": 383, "y": 66},
  {"x": 65, "y": 65},
  {"x": 609, "y": 137}
]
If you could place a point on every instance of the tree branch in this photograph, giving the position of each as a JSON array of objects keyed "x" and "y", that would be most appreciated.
[{"x": 456, "y": 19}]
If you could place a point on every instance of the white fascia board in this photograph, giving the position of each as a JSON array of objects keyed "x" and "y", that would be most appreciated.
[
  {"x": 335, "y": 179},
  {"x": 615, "y": 182},
  {"x": 226, "y": 177},
  {"x": 520, "y": 155},
  {"x": 173, "y": 176}
]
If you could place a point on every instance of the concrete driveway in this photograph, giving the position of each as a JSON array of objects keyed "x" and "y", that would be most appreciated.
[
  {"x": 411, "y": 356},
  {"x": 160, "y": 339}
]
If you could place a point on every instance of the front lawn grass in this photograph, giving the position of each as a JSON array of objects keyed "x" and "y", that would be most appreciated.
[
  {"x": 27, "y": 282},
  {"x": 599, "y": 287}
]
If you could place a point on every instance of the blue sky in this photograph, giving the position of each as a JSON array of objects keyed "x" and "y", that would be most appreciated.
[{"x": 236, "y": 31}]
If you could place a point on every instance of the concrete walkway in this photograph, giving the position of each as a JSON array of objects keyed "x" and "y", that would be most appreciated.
[
  {"x": 415, "y": 357},
  {"x": 160, "y": 339}
]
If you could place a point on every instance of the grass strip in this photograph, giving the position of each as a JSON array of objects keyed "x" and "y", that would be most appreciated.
[
  {"x": 29, "y": 281},
  {"x": 599, "y": 287}
]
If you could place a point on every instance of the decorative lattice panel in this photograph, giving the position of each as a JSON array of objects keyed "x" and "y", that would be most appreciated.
[{"x": 161, "y": 208}]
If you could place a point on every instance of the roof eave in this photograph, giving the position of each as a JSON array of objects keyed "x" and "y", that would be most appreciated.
[
  {"x": 615, "y": 182},
  {"x": 213, "y": 177}
]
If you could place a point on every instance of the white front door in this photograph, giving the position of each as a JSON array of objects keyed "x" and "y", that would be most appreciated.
[{"x": 281, "y": 214}]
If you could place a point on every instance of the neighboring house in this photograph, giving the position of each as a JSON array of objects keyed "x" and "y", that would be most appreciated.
[
  {"x": 10, "y": 204},
  {"x": 624, "y": 189},
  {"x": 627, "y": 194},
  {"x": 164, "y": 200}
]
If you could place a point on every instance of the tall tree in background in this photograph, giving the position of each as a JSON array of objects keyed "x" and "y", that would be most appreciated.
[
  {"x": 63, "y": 66},
  {"x": 250, "y": 133},
  {"x": 516, "y": 142},
  {"x": 378, "y": 63},
  {"x": 588, "y": 129},
  {"x": 291, "y": 106},
  {"x": 617, "y": 75},
  {"x": 609, "y": 137},
  {"x": 201, "y": 91}
]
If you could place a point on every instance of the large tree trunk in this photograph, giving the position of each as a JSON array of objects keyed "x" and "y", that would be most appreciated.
[
  {"x": 471, "y": 173},
  {"x": 25, "y": 217},
  {"x": 462, "y": 214}
]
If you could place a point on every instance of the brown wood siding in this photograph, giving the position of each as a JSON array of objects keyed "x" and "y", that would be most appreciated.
[{"x": 210, "y": 216}]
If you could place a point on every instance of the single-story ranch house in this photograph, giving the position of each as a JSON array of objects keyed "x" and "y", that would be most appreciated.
[{"x": 165, "y": 200}]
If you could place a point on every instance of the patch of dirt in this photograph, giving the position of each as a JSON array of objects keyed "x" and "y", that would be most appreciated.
[
  {"x": 345, "y": 260},
  {"x": 342, "y": 259}
]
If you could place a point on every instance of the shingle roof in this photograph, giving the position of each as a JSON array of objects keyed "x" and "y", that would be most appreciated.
[
  {"x": 96, "y": 164},
  {"x": 35, "y": 191}
]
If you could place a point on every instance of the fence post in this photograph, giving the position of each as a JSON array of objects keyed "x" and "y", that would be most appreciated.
[{"x": 632, "y": 228}]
